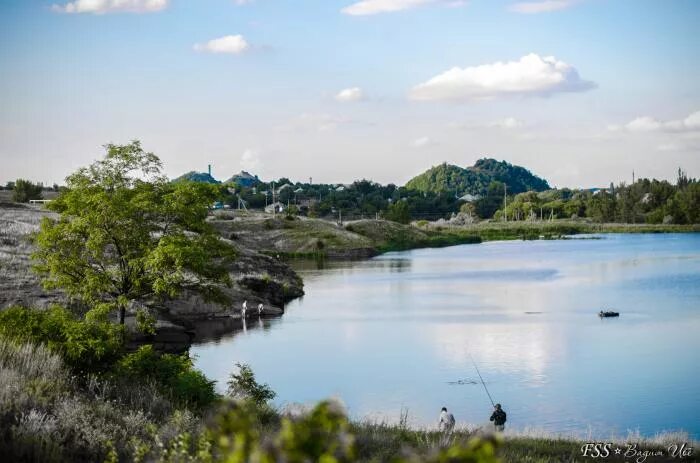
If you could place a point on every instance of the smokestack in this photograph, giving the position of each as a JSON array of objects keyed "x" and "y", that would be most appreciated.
[{"x": 209, "y": 166}]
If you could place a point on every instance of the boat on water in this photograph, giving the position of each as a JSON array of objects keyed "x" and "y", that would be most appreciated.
[{"x": 608, "y": 313}]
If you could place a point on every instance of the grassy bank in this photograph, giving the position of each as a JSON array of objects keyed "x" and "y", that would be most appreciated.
[
  {"x": 302, "y": 237},
  {"x": 491, "y": 231}
]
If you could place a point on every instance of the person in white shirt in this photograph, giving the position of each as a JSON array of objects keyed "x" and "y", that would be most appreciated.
[{"x": 447, "y": 421}]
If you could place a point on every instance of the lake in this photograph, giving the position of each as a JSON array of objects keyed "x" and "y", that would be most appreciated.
[{"x": 397, "y": 332}]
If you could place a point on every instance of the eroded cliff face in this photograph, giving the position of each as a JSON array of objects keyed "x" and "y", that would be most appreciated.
[{"x": 257, "y": 278}]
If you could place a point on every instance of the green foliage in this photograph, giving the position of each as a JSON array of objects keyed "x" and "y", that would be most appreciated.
[
  {"x": 24, "y": 190},
  {"x": 491, "y": 200},
  {"x": 145, "y": 322},
  {"x": 321, "y": 435},
  {"x": 125, "y": 233},
  {"x": 175, "y": 374},
  {"x": 242, "y": 385},
  {"x": 476, "y": 179},
  {"x": 86, "y": 346},
  {"x": 398, "y": 212}
]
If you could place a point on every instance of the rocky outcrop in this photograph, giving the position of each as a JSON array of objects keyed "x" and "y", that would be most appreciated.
[{"x": 257, "y": 278}]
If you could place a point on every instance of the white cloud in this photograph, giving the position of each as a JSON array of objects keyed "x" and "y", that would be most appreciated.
[
  {"x": 531, "y": 75},
  {"x": 350, "y": 94},
  {"x": 544, "y": 6},
  {"x": 231, "y": 44},
  {"x": 250, "y": 160},
  {"x": 650, "y": 124},
  {"x": 508, "y": 123},
  {"x": 422, "y": 141},
  {"x": 370, "y": 7},
  {"x": 112, "y": 6}
]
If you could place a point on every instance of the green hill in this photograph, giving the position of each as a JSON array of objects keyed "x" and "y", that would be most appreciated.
[
  {"x": 476, "y": 179},
  {"x": 197, "y": 177}
]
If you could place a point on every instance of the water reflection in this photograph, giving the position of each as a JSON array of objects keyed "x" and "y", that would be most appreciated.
[{"x": 397, "y": 331}]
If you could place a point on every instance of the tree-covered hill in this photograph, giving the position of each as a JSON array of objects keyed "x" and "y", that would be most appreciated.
[
  {"x": 198, "y": 177},
  {"x": 475, "y": 180}
]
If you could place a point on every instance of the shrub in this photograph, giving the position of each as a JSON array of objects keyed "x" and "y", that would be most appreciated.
[
  {"x": 86, "y": 346},
  {"x": 242, "y": 385},
  {"x": 174, "y": 373},
  {"x": 24, "y": 190}
]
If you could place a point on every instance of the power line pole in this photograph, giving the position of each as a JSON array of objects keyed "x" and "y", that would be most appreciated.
[
  {"x": 274, "y": 205},
  {"x": 505, "y": 201}
]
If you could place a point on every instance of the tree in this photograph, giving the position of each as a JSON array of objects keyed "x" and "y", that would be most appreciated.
[
  {"x": 127, "y": 234},
  {"x": 398, "y": 212},
  {"x": 243, "y": 385},
  {"x": 24, "y": 190}
]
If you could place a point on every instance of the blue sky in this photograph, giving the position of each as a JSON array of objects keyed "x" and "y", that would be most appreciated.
[{"x": 586, "y": 91}]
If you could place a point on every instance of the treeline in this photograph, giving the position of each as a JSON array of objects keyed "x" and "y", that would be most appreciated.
[
  {"x": 363, "y": 198},
  {"x": 644, "y": 201},
  {"x": 24, "y": 191}
]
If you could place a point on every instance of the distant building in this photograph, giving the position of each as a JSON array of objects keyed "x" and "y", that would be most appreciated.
[
  {"x": 311, "y": 202},
  {"x": 284, "y": 187},
  {"x": 469, "y": 198}
]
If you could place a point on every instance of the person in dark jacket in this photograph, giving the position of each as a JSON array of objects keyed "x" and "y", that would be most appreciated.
[{"x": 499, "y": 418}]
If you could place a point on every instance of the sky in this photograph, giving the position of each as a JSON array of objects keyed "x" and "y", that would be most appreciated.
[{"x": 581, "y": 92}]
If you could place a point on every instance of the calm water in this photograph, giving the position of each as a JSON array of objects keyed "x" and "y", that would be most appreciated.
[{"x": 396, "y": 332}]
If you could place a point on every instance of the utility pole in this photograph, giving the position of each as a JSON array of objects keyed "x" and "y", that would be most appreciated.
[
  {"x": 274, "y": 205},
  {"x": 505, "y": 201}
]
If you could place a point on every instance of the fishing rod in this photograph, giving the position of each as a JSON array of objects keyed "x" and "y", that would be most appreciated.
[{"x": 482, "y": 380}]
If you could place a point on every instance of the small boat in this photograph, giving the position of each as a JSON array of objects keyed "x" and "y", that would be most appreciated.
[{"x": 609, "y": 313}]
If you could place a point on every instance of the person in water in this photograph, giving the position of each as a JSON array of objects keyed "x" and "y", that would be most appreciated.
[
  {"x": 499, "y": 418},
  {"x": 447, "y": 421}
]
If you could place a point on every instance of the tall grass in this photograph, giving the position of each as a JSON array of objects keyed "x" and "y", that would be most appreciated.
[{"x": 46, "y": 414}]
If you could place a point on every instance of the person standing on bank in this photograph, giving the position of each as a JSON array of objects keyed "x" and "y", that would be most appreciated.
[
  {"x": 499, "y": 418},
  {"x": 447, "y": 421}
]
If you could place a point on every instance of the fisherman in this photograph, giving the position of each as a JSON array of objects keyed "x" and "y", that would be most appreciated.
[
  {"x": 447, "y": 421},
  {"x": 499, "y": 418}
]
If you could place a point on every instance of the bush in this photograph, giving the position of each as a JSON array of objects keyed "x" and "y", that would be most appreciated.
[
  {"x": 24, "y": 190},
  {"x": 174, "y": 373},
  {"x": 86, "y": 346},
  {"x": 242, "y": 385}
]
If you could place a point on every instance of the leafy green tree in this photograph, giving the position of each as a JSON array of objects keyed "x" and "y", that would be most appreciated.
[
  {"x": 398, "y": 212},
  {"x": 125, "y": 233},
  {"x": 493, "y": 199},
  {"x": 24, "y": 190},
  {"x": 243, "y": 385}
]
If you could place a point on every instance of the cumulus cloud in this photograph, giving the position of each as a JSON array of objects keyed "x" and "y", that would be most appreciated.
[
  {"x": 350, "y": 94},
  {"x": 370, "y": 7},
  {"x": 250, "y": 160},
  {"x": 230, "y": 44},
  {"x": 650, "y": 124},
  {"x": 112, "y": 6},
  {"x": 422, "y": 141},
  {"x": 544, "y": 6},
  {"x": 530, "y": 75}
]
